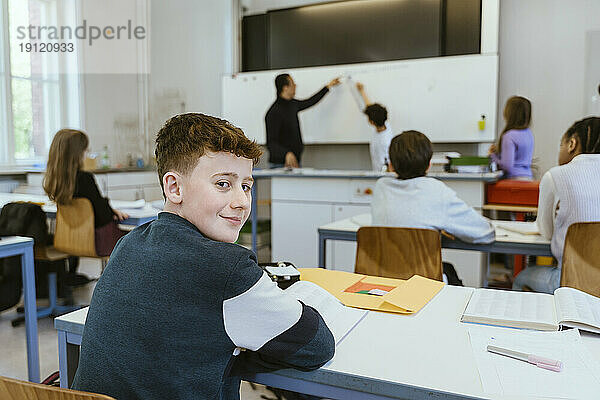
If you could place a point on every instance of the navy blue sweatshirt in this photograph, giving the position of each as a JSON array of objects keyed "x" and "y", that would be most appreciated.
[{"x": 171, "y": 308}]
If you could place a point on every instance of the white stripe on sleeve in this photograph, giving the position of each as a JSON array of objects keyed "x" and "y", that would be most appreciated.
[{"x": 259, "y": 314}]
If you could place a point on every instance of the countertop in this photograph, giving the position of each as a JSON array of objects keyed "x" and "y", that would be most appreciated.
[{"x": 357, "y": 174}]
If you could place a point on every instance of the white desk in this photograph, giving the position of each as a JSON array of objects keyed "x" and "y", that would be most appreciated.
[
  {"x": 139, "y": 211},
  {"x": 23, "y": 246},
  {"x": 423, "y": 356},
  {"x": 507, "y": 242}
]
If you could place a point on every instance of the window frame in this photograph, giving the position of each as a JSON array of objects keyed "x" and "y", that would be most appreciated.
[{"x": 62, "y": 84}]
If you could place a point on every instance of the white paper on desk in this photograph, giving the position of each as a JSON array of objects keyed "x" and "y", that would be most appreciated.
[
  {"x": 339, "y": 319},
  {"x": 144, "y": 212},
  {"x": 501, "y": 375},
  {"x": 127, "y": 204}
]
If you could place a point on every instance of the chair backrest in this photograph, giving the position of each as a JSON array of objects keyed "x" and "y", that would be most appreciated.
[
  {"x": 13, "y": 389},
  {"x": 74, "y": 232},
  {"x": 398, "y": 252},
  {"x": 581, "y": 258}
]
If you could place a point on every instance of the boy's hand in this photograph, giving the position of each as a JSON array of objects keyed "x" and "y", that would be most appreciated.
[
  {"x": 120, "y": 215},
  {"x": 360, "y": 86},
  {"x": 290, "y": 160}
]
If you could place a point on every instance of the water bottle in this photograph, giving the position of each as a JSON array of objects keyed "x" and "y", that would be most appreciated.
[{"x": 105, "y": 161}]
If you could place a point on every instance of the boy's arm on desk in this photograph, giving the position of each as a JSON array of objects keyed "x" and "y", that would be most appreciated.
[
  {"x": 464, "y": 222},
  {"x": 278, "y": 330}
]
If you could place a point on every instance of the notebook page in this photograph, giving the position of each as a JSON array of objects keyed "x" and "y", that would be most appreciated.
[
  {"x": 507, "y": 377},
  {"x": 573, "y": 305},
  {"x": 504, "y": 305},
  {"x": 339, "y": 319}
]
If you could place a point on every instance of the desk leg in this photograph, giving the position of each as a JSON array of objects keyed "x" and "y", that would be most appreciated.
[
  {"x": 519, "y": 260},
  {"x": 31, "y": 330},
  {"x": 68, "y": 360},
  {"x": 62, "y": 359},
  {"x": 254, "y": 217},
  {"x": 322, "y": 250}
]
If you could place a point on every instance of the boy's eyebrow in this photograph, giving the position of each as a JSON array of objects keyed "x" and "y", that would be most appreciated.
[
  {"x": 225, "y": 174},
  {"x": 232, "y": 174}
]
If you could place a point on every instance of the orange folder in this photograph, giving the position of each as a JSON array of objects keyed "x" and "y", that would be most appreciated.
[{"x": 406, "y": 297}]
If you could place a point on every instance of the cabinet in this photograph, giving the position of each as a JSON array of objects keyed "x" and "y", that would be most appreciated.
[
  {"x": 300, "y": 205},
  {"x": 117, "y": 185}
]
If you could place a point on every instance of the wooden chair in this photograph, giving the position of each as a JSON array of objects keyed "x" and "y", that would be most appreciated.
[
  {"x": 74, "y": 232},
  {"x": 398, "y": 252},
  {"x": 14, "y": 389},
  {"x": 581, "y": 258}
]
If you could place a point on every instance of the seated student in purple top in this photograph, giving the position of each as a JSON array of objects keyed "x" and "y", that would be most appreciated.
[{"x": 514, "y": 151}]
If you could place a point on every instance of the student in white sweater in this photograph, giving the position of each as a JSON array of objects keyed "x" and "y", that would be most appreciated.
[
  {"x": 382, "y": 136},
  {"x": 416, "y": 201},
  {"x": 569, "y": 193}
]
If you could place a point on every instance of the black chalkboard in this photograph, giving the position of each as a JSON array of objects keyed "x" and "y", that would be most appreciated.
[{"x": 357, "y": 31}]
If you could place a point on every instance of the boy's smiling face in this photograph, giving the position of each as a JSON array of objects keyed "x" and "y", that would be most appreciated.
[{"x": 215, "y": 196}]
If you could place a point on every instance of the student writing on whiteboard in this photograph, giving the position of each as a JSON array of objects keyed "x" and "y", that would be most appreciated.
[
  {"x": 515, "y": 146},
  {"x": 569, "y": 193},
  {"x": 284, "y": 140},
  {"x": 381, "y": 138}
]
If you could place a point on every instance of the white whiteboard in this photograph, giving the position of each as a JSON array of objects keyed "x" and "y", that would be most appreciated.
[{"x": 442, "y": 97}]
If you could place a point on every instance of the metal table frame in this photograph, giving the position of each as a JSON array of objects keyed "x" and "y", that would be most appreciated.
[
  {"x": 23, "y": 246},
  {"x": 534, "y": 249}
]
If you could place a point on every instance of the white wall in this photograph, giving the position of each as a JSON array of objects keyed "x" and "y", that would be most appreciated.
[
  {"x": 190, "y": 49},
  {"x": 542, "y": 57},
  {"x": 108, "y": 97},
  {"x": 113, "y": 111}
]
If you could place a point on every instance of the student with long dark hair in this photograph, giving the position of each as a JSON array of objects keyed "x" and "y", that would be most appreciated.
[
  {"x": 514, "y": 151},
  {"x": 65, "y": 180},
  {"x": 569, "y": 193}
]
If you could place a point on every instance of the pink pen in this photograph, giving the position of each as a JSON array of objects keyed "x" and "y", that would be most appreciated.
[{"x": 546, "y": 363}]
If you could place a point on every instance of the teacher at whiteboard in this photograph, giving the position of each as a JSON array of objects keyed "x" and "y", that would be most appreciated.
[{"x": 284, "y": 140}]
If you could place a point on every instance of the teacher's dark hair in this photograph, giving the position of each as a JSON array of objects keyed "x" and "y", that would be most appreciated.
[
  {"x": 281, "y": 80},
  {"x": 587, "y": 132},
  {"x": 410, "y": 153},
  {"x": 377, "y": 114}
]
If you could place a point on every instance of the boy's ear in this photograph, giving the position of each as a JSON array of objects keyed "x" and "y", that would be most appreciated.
[{"x": 172, "y": 187}]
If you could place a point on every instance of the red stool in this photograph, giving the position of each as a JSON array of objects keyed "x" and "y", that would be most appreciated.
[{"x": 512, "y": 193}]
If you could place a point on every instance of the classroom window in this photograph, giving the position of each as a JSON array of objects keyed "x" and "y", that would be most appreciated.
[{"x": 32, "y": 106}]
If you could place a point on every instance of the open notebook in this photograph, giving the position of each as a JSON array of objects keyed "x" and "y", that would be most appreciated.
[
  {"x": 339, "y": 319},
  {"x": 568, "y": 307}
]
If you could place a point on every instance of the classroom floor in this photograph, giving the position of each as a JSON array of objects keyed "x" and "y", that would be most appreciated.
[{"x": 13, "y": 359}]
